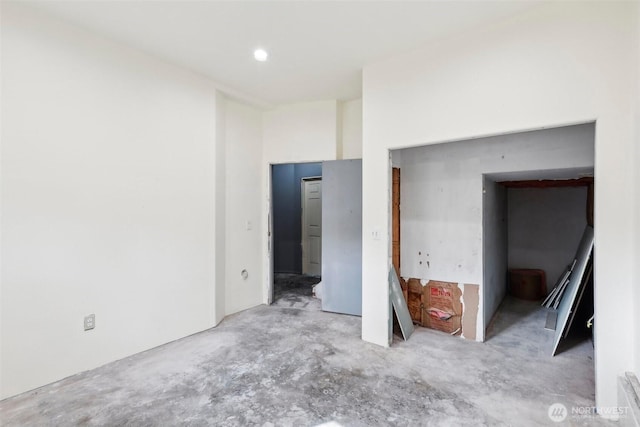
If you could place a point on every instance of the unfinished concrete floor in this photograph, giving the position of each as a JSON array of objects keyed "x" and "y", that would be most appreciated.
[{"x": 286, "y": 366}]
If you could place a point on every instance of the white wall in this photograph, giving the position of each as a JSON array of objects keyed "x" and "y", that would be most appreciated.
[
  {"x": 636, "y": 283},
  {"x": 556, "y": 64},
  {"x": 305, "y": 132},
  {"x": 442, "y": 199},
  {"x": 351, "y": 129},
  {"x": 294, "y": 133},
  {"x": 108, "y": 201},
  {"x": 243, "y": 140},
  {"x": 545, "y": 228},
  {"x": 494, "y": 250},
  {"x": 219, "y": 236}
]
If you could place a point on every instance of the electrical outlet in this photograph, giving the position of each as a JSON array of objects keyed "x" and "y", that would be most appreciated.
[{"x": 89, "y": 322}]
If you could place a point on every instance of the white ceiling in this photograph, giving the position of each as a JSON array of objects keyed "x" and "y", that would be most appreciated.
[{"x": 317, "y": 48}]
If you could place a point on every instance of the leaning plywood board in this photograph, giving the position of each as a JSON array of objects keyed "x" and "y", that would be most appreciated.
[
  {"x": 571, "y": 292},
  {"x": 399, "y": 304}
]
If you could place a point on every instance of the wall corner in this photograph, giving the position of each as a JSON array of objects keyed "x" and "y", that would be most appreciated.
[{"x": 219, "y": 197}]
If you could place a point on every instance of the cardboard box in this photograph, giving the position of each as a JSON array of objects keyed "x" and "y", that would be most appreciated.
[
  {"x": 442, "y": 307},
  {"x": 527, "y": 284}
]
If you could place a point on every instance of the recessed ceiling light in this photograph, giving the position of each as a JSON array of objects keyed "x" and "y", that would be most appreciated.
[{"x": 260, "y": 55}]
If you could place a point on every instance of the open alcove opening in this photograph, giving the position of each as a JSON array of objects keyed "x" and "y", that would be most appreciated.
[
  {"x": 536, "y": 272},
  {"x": 464, "y": 223}
]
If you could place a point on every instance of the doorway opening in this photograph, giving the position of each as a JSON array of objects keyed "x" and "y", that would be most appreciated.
[
  {"x": 459, "y": 233},
  {"x": 534, "y": 224},
  {"x": 296, "y": 206},
  {"x": 315, "y": 232}
]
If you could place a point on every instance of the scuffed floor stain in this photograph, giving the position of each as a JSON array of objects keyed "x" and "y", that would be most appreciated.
[{"x": 295, "y": 291}]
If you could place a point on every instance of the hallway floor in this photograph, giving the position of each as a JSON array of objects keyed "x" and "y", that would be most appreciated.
[
  {"x": 276, "y": 365},
  {"x": 295, "y": 291}
]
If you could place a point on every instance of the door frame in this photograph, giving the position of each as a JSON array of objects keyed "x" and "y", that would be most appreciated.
[{"x": 303, "y": 218}]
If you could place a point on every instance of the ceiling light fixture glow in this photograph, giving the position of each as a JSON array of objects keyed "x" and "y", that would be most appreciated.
[{"x": 260, "y": 55}]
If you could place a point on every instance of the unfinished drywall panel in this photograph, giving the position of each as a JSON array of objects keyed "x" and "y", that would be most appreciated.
[
  {"x": 553, "y": 64},
  {"x": 451, "y": 212},
  {"x": 568, "y": 303},
  {"x": 545, "y": 227},
  {"x": 108, "y": 201},
  {"x": 352, "y": 129},
  {"x": 494, "y": 249},
  {"x": 243, "y": 230},
  {"x": 442, "y": 194},
  {"x": 445, "y": 189}
]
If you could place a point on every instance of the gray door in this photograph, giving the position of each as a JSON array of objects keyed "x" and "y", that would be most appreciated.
[{"x": 342, "y": 236}]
